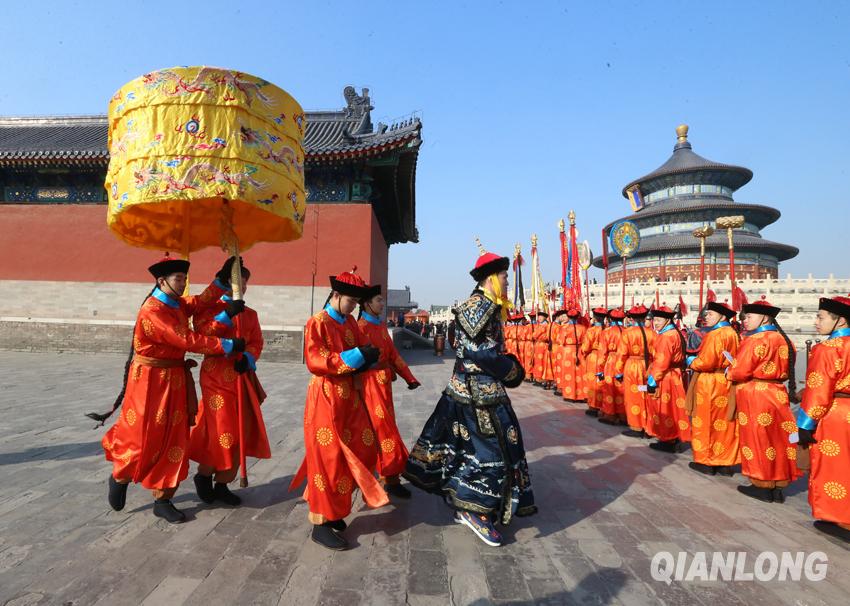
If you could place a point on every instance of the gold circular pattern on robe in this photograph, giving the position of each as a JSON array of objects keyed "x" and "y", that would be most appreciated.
[
  {"x": 229, "y": 374},
  {"x": 181, "y": 331},
  {"x": 388, "y": 445},
  {"x": 783, "y": 352},
  {"x": 343, "y": 485},
  {"x": 635, "y": 409},
  {"x": 683, "y": 425},
  {"x": 760, "y": 350},
  {"x": 137, "y": 343},
  {"x": 829, "y": 448},
  {"x": 326, "y": 388},
  {"x": 147, "y": 327},
  {"x": 568, "y": 389},
  {"x": 343, "y": 390},
  {"x": 816, "y": 412},
  {"x": 781, "y": 396},
  {"x": 668, "y": 422},
  {"x": 160, "y": 416},
  {"x": 791, "y": 453},
  {"x": 815, "y": 379},
  {"x": 633, "y": 388},
  {"x": 764, "y": 419},
  {"x": 367, "y": 437},
  {"x": 324, "y": 436},
  {"x": 216, "y": 401},
  {"x": 718, "y": 448},
  {"x": 721, "y": 401},
  {"x": 680, "y": 402},
  {"x": 665, "y": 397},
  {"x": 742, "y": 418},
  {"x": 836, "y": 490},
  {"x": 635, "y": 349},
  {"x": 747, "y": 452},
  {"x": 839, "y": 364},
  {"x": 761, "y": 386},
  {"x": 208, "y": 365},
  {"x": 697, "y": 422},
  {"x": 789, "y": 426},
  {"x": 618, "y": 400},
  {"x": 769, "y": 367},
  {"x": 379, "y": 411},
  {"x": 349, "y": 338},
  {"x": 137, "y": 371},
  {"x": 175, "y": 454},
  {"x": 609, "y": 399},
  {"x": 130, "y": 416},
  {"x": 176, "y": 417},
  {"x": 770, "y": 453},
  {"x": 323, "y": 351},
  {"x": 163, "y": 374},
  {"x": 696, "y": 443},
  {"x": 226, "y": 440},
  {"x": 346, "y": 436},
  {"x": 319, "y": 482},
  {"x": 720, "y": 425}
]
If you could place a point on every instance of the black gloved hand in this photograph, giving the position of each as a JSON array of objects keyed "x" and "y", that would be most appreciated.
[
  {"x": 234, "y": 308},
  {"x": 414, "y": 384},
  {"x": 238, "y": 345},
  {"x": 651, "y": 389},
  {"x": 807, "y": 437},
  {"x": 370, "y": 353},
  {"x": 242, "y": 365},
  {"x": 223, "y": 274}
]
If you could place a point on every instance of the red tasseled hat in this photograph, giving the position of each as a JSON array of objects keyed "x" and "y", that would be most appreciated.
[
  {"x": 638, "y": 311},
  {"x": 616, "y": 314},
  {"x": 664, "y": 312},
  {"x": 761, "y": 307},
  {"x": 722, "y": 308},
  {"x": 840, "y": 306},
  {"x": 488, "y": 264},
  {"x": 600, "y": 312},
  {"x": 167, "y": 266},
  {"x": 573, "y": 312},
  {"x": 350, "y": 284}
]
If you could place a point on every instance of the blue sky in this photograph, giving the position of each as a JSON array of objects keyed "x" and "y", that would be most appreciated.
[{"x": 529, "y": 108}]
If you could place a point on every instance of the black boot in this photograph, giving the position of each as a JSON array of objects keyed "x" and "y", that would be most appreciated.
[
  {"x": 634, "y": 433},
  {"x": 397, "y": 490},
  {"x": 327, "y": 537},
  {"x": 592, "y": 412},
  {"x": 761, "y": 494},
  {"x": 557, "y": 392},
  {"x": 338, "y": 525},
  {"x": 706, "y": 469},
  {"x": 222, "y": 493},
  {"x": 165, "y": 509},
  {"x": 204, "y": 488},
  {"x": 778, "y": 496},
  {"x": 726, "y": 470},
  {"x": 117, "y": 494},
  {"x": 664, "y": 446}
]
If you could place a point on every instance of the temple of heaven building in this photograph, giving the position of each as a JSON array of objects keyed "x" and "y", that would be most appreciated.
[{"x": 687, "y": 192}]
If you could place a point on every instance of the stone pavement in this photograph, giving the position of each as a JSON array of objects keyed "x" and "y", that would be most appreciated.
[{"x": 607, "y": 504}]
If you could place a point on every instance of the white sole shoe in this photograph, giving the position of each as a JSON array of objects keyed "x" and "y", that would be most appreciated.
[{"x": 477, "y": 534}]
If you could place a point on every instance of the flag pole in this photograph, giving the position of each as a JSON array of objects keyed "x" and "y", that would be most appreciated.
[
  {"x": 702, "y": 233},
  {"x": 729, "y": 224}
]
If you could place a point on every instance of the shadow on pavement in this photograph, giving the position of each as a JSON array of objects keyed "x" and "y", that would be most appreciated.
[{"x": 54, "y": 452}]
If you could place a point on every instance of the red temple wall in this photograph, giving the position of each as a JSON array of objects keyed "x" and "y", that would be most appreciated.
[
  {"x": 682, "y": 272},
  {"x": 72, "y": 243}
]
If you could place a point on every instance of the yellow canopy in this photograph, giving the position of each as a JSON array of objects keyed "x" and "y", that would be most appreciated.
[{"x": 183, "y": 141}]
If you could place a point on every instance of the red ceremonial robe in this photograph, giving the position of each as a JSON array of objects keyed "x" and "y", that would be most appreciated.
[
  {"x": 378, "y": 394},
  {"x": 215, "y": 438},
  {"x": 606, "y": 363},
  {"x": 572, "y": 368},
  {"x": 149, "y": 441},
  {"x": 590, "y": 354},
  {"x": 665, "y": 409},
  {"x": 338, "y": 438},
  {"x": 633, "y": 365}
]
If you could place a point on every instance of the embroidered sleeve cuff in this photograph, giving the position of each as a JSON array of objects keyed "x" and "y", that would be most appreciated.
[
  {"x": 227, "y": 345},
  {"x": 651, "y": 381},
  {"x": 353, "y": 358},
  {"x": 804, "y": 421},
  {"x": 690, "y": 359},
  {"x": 223, "y": 318},
  {"x": 252, "y": 362}
]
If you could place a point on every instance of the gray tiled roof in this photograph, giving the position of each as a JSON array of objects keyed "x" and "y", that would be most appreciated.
[
  {"x": 682, "y": 206},
  {"x": 330, "y": 135},
  {"x": 685, "y": 162}
]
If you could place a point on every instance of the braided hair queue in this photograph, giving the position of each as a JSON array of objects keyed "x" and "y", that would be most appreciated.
[{"x": 102, "y": 417}]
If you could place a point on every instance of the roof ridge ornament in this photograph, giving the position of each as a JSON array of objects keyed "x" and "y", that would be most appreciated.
[
  {"x": 358, "y": 105},
  {"x": 682, "y": 137}
]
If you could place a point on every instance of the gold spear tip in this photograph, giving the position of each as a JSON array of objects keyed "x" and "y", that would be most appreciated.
[
  {"x": 561, "y": 225},
  {"x": 572, "y": 217},
  {"x": 682, "y": 133},
  {"x": 481, "y": 250},
  {"x": 534, "y": 239},
  {"x": 517, "y": 249}
]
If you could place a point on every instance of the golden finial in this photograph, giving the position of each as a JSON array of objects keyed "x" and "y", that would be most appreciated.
[
  {"x": 534, "y": 239},
  {"x": 517, "y": 250},
  {"x": 481, "y": 250},
  {"x": 682, "y": 133},
  {"x": 572, "y": 217},
  {"x": 731, "y": 222},
  {"x": 561, "y": 225},
  {"x": 703, "y": 232}
]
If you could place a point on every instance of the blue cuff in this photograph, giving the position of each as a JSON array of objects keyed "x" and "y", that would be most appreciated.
[
  {"x": 221, "y": 285},
  {"x": 690, "y": 359},
  {"x": 618, "y": 377},
  {"x": 252, "y": 363},
  {"x": 650, "y": 381},
  {"x": 223, "y": 318},
  {"x": 804, "y": 421},
  {"x": 353, "y": 358},
  {"x": 227, "y": 345}
]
